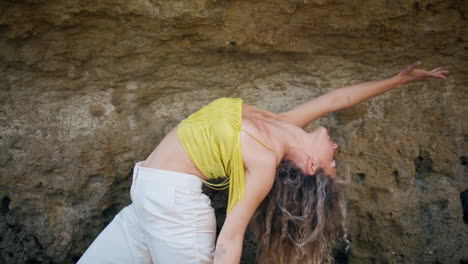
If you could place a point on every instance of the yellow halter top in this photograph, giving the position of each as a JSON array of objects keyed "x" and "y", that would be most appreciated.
[{"x": 211, "y": 139}]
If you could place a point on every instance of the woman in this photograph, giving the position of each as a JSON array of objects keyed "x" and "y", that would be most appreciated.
[{"x": 262, "y": 155}]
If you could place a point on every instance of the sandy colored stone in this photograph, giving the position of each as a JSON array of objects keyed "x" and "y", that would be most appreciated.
[{"x": 88, "y": 88}]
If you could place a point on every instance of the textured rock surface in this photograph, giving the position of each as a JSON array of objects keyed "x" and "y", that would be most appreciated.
[{"x": 87, "y": 88}]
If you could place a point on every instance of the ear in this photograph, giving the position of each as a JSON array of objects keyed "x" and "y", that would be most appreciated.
[{"x": 311, "y": 167}]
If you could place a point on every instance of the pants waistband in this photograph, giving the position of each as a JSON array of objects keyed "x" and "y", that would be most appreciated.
[{"x": 165, "y": 177}]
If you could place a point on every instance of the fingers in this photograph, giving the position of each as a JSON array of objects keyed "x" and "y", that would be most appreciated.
[
  {"x": 439, "y": 72},
  {"x": 440, "y": 69},
  {"x": 440, "y": 76},
  {"x": 443, "y": 71}
]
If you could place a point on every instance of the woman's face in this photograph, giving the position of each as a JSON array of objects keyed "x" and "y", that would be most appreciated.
[{"x": 323, "y": 149}]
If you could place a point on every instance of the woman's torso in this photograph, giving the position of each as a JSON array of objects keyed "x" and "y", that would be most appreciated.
[{"x": 265, "y": 126}]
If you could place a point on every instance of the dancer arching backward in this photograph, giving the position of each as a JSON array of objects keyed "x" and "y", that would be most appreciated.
[{"x": 263, "y": 156}]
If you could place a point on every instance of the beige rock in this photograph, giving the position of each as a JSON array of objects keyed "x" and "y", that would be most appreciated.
[{"x": 87, "y": 88}]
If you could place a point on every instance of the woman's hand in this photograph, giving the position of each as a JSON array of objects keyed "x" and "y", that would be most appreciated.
[{"x": 413, "y": 73}]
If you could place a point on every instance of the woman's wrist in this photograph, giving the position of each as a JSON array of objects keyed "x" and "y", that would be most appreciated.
[{"x": 398, "y": 80}]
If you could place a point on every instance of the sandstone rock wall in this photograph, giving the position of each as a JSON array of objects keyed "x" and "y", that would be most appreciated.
[{"x": 87, "y": 88}]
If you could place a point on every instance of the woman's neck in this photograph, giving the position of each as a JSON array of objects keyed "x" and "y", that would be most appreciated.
[{"x": 290, "y": 142}]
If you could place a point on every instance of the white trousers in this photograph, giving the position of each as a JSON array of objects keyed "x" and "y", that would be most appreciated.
[{"x": 169, "y": 221}]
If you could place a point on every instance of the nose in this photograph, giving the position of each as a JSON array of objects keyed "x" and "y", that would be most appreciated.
[{"x": 334, "y": 145}]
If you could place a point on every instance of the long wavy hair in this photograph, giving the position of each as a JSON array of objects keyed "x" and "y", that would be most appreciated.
[{"x": 302, "y": 218}]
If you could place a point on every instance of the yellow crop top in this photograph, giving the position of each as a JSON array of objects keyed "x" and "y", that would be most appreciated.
[{"x": 211, "y": 139}]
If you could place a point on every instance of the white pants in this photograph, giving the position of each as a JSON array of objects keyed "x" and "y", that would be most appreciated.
[{"x": 169, "y": 221}]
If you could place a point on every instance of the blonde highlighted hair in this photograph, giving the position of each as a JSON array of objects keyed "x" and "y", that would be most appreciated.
[{"x": 301, "y": 219}]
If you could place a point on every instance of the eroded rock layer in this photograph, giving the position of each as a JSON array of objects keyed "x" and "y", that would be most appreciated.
[{"x": 87, "y": 88}]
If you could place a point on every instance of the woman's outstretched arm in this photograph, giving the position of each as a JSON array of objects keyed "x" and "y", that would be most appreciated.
[{"x": 352, "y": 95}]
